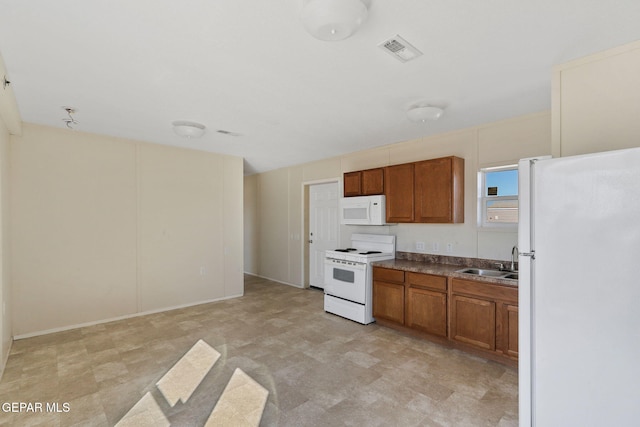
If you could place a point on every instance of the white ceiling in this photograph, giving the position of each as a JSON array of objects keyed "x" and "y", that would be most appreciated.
[{"x": 131, "y": 67}]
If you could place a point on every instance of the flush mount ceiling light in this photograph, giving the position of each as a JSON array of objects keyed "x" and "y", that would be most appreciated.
[
  {"x": 332, "y": 20},
  {"x": 424, "y": 113},
  {"x": 188, "y": 129}
]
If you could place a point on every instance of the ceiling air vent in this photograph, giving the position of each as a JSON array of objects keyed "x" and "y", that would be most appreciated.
[
  {"x": 400, "y": 49},
  {"x": 226, "y": 132}
]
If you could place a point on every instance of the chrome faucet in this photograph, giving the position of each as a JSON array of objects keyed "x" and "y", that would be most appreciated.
[{"x": 514, "y": 257}]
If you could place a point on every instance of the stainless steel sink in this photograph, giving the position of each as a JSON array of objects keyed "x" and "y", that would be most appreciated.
[
  {"x": 483, "y": 272},
  {"x": 490, "y": 273}
]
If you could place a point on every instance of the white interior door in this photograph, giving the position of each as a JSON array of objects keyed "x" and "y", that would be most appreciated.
[{"x": 323, "y": 228}]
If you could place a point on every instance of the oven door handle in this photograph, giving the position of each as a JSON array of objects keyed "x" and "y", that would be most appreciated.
[{"x": 347, "y": 265}]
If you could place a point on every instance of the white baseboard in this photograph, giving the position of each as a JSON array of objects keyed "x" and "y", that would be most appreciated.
[
  {"x": 275, "y": 280},
  {"x": 5, "y": 357}
]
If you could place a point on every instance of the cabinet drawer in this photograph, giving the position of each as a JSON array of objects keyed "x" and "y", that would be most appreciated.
[
  {"x": 484, "y": 290},
  {"x": 388, "y": 275},
  {"x": 427, "y": 281}
]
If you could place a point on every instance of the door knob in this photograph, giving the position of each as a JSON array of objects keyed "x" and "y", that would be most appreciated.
[{"x": 310, "y": 241}]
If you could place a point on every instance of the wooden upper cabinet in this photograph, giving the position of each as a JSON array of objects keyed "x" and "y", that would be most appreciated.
[
  {"x": 399, "y": 191},
  {"x": 439, "y": 190},
  {"x": 352, "y": 184},
  {"x": 428, "y": 191},
  {"x": 372, "y": 181},
  {"x": 364, "y": 183}
]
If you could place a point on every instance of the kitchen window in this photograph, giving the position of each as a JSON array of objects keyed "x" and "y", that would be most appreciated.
[{"x": 498, "y": 201}]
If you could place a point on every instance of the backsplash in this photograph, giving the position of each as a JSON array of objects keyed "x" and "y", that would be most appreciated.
[{"x": 452, "y": 260}]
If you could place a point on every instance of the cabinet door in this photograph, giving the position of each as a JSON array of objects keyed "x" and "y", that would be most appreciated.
[
  {"x": 388, "y": 301},
  {"x": 372, "y": 182},
  {"x": 473, "y": 321},
  {"x": 439, "y": 188},
  {"x": 427, "y": 311},
  {"x": 399, "y": 192},
  {"x": 510, "y": 336},
  {"x": 352, "y": 184}
]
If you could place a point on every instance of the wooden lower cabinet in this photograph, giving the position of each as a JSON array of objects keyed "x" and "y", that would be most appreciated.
[
  {"x": 427, "y": 311},
  {"x": 510, "y": 330},
  {"x": 485, "y": 316},
  {"x": 426, "y": 308},
  {"x": 472, "y": 315},
  {"x": 388, "y": 302},
  {"x": 413, "y": 300},
  {"x": 388, "y": 295},
  {"x": 473, "y": 321}
]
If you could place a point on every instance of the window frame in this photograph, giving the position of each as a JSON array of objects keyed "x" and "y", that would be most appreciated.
[{"x": 483, "y": 200}]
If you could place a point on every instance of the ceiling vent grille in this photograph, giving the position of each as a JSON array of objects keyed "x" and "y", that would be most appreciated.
[
  {"x": 400, "y": 49},
  {"x": 226, "y": 132}
]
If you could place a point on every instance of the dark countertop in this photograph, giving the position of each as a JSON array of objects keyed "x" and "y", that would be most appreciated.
[{"x": 440, "y": 269}]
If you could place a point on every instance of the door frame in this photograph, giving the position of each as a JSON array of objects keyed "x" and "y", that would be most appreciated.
[{"x": 304, "y": 243}]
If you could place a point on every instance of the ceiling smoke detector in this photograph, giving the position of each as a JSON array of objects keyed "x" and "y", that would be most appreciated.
[{"x": 400, "y": 49}]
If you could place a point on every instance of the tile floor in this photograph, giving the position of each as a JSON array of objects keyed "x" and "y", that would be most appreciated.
[{"x": 318, "y": 369}]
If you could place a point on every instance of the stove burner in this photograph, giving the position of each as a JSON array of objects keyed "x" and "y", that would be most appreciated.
[
  {"x": 370, "y": 252},
  {"x": 346, "y": 250}
]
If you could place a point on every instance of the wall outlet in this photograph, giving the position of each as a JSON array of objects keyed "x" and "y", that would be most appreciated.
[
  {"x": 436, "y": 247},
  {"x": 449, "y": 247},
  {"x": 203, "y": 271},
  {"x": 420, "y": 246}
]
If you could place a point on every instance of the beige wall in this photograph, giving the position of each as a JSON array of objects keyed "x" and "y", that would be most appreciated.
[
  {"x": 596, "y": 102},
  {"x": 9, "y": 114},
  {"x": 273, "y": 223},
  {"x": 105, "y": 227},
  {"x": 251, "y": 230},
  {"x": 10, "y": 123},
  {"x": 5, "y": 258},
  {"x": 280, "y": 206}
]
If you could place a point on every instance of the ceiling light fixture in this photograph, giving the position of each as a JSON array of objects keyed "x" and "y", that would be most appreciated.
[
  {"x": 332, "y": 20},
  {"x": 424, "y": 113},
  {"x": 188, "y": 129}
]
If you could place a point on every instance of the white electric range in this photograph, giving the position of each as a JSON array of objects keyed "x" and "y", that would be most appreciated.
[{"x": 348, "y": 275}]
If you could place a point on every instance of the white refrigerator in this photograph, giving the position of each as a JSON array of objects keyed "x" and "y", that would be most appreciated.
[{"x": 579, "y": 290}]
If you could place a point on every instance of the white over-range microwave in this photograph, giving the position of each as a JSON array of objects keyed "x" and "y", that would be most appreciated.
[{"x": 363, "y": 210}]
